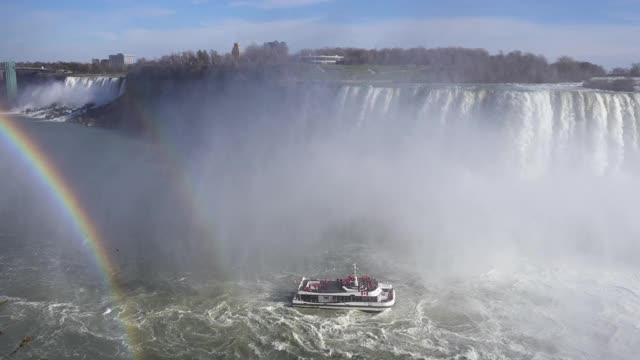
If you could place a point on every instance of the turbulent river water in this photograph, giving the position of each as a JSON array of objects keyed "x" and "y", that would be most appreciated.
[{"x": 503, "y": 215}]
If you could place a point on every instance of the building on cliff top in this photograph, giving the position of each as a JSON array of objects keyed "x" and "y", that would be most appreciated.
[{"x": 235, "y": 52}]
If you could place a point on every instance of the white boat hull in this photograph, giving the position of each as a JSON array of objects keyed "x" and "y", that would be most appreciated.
[{"x": 377, "y": 307}]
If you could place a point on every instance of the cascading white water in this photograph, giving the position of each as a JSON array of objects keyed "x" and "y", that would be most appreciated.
[
  {"x": 537, "y": 129},
  {"x": 123, "y": 87},
  {"x": 72, "y": 94},
  {"x": 449, "y": 170}
]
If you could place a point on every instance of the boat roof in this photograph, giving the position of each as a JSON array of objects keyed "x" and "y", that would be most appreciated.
[
  {"x": 329, "y": 287},
  {"x": 332, "y": 286}
]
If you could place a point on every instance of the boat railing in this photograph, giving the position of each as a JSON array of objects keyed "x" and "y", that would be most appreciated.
[{"x": 301, "y": 283}]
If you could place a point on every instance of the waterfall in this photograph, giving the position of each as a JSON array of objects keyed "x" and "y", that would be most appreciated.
[
  {"x": 97, "y": 90},
  {"x": 450, "y": 170},
  {"x": 536, "y": 128},
  {"x": 59, "y": 99}
]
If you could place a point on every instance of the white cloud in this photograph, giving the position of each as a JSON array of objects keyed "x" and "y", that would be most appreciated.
[
  {"x": 142, "y": 13},
  {"x": 107, "y": 35},
  {"x": 610, "y": 45},
  {"x": 606, "y": 44},
  {"x": 275, "y": 4}
]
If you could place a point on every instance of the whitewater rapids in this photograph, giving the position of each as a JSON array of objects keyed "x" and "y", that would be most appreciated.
[{"x": 524, "y": 313}]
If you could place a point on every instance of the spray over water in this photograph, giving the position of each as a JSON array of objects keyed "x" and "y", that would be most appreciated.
[{"x": 502, "y": 214}]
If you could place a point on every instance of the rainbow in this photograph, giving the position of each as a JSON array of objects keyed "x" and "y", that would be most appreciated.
[{"x": 12, "y": 134}]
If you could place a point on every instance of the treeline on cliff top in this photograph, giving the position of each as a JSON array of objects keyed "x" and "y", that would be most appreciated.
[{"x": 273, "y": 59}]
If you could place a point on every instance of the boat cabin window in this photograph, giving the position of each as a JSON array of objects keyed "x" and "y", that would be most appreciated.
[
  {"x": 356, "y": 299},
  {"x": 309, "y": 298}
]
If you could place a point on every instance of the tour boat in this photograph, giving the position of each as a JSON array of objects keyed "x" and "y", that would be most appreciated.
[{"x": 361, "y": 293}]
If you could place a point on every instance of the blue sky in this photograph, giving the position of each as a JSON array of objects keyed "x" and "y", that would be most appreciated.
[{"x": 605, "y": 32}]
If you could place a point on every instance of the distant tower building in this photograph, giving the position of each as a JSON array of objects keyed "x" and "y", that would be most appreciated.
[
  {"x": 121, "y": 59},
  {"x": 117, "y": 59},
  {"x": 235, "y": 52},
  {"x": 95, "y": 61},
  {"x": 129, "y": 59},
  {"x": 10, "y": 80}
]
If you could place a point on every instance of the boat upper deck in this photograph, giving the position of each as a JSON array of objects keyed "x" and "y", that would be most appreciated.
[
  {"x": 348, "y": 285},
  {"x": 325, "y": 286}
]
